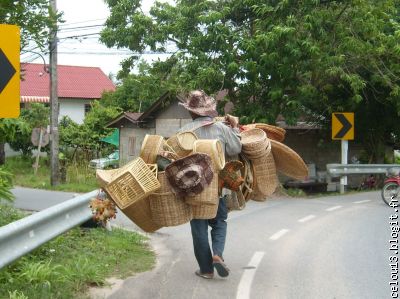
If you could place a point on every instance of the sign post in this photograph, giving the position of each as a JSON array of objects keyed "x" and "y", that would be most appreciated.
[
  {"x": 343, "y": 129},
  {"x": 9, "y": 71}
]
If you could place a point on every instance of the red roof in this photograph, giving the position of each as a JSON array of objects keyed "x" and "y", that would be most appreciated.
[{"x": 73, "y": 81}]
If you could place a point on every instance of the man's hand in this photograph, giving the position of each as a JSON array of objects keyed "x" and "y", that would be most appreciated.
[{"x": 232, "y": 120}]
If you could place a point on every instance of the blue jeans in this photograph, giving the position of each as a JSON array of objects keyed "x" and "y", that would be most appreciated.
[{"x": 218, "y": 235}]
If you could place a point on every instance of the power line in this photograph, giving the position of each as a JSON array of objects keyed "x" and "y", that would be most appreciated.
[
  {"x": 80, "y": 28},
  {"x": 81, "y": 22}
]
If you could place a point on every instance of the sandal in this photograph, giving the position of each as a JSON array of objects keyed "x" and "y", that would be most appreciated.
[
  {"x": 220, "y": 266},
  {"x": 204, "y": 275}
]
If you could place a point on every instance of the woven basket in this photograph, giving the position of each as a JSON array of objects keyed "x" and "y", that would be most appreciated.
[
  {"x": 205, "y": 211},
  {"x": 151, "y": 146},
  {"x": 265, "y": 178},
  {"x": 209, "y": 196},
  {"x": 255, "y": 154},
  {"x": 273, "y": 132},
  {"x": 288, "y": 162},
  {"x": 138, "y": 212},
  {"x": 253, "y": 140},
  {"x": 213, "y": 148},
  {"x": 131, "y": 183},
  {"x": 166, "y": 208},
  {"x": 105, "y": 176},
  {"x": 182, "y": 143}
]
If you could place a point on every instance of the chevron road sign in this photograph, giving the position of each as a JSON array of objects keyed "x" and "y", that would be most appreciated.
[
  {"x": 9, "y": 71},
  {"x": 343, "y": 126}
]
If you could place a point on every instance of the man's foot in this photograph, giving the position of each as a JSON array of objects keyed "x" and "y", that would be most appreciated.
[
  {"x": 220, "y": 266},
  {"x": 204, "y": 275}
]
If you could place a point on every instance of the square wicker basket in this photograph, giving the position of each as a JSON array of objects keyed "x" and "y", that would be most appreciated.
[{"x": 131, "y": 183}]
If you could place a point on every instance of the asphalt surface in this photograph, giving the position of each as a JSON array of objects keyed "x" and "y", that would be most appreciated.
[{"x": 329, "y": 247}]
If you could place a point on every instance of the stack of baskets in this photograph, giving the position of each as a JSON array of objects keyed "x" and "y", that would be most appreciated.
[
  {"x": 256, "y": 147},
  {"x": 263, "y": 155}
]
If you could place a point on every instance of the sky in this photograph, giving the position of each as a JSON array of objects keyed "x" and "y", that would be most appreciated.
[{"x": 78, "y": 37}]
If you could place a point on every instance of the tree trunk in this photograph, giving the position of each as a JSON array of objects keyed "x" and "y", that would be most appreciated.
[{"x": 2, "y": 154}]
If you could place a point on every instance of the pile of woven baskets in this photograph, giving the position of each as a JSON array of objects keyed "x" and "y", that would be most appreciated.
[
  {"x": 264, "y": 155},
  {"x": 142, "y": 191}
]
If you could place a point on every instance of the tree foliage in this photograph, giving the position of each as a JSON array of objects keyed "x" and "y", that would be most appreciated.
[
  {"x": 86, "y": 137},
  {"x": 32, "y": 16},
  {"x": 277, "y": 57}
]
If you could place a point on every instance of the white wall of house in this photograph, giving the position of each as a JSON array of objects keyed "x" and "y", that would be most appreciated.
[{"x": 73, "y": 108}]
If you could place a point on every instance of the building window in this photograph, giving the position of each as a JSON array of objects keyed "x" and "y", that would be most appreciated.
[
  {"x": 131, "y": 146},
  {"x": 88, "y": 107}
]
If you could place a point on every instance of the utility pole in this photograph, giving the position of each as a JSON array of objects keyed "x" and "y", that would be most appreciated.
[{"x": 54, "y": 143}]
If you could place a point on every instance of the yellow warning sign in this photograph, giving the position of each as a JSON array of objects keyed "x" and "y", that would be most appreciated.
[
  {"x": 9, "y": 71},
  {"x": 343, "y": 126}
]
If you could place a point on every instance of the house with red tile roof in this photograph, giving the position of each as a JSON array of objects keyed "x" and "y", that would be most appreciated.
[{"x": 78, "y": 87}]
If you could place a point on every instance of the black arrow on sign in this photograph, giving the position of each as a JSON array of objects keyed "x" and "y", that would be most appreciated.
[
  {"x": 7, "y": 71},
  {"x": 346, "y": 125}
]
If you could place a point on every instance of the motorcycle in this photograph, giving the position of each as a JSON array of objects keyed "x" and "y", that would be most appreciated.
[{"x": 391, "y": 188}]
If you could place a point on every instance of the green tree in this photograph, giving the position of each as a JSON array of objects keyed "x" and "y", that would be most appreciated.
[
  {"x": 136, "y": 92},
  {"x": 274, "y": 57},
  {"x": 86, "y": 137}
]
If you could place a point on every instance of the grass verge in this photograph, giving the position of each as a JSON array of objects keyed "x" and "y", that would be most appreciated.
[
  {"x": 80, "y": 178},
  {"x": 68, "y": 265}
]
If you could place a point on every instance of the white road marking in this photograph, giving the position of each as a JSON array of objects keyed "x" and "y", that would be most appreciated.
[
  {"x": 362, "y": 201},
  {"x": 309, "y": 217},
  {"x": 333, "y": 208},
  {"x": 243, "y": 290},
  {"x": 278, "y": 234}
]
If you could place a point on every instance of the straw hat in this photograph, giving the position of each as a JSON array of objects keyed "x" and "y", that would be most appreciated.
[
  {"x": 288, "y": 162},
  {"x": 201, "y": 104},
  {"x": 189, "y": 176}
]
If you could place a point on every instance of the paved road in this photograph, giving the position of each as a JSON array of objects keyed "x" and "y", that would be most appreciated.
[{"x": 331, "y": 247}]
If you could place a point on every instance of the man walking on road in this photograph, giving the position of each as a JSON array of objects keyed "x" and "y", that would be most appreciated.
[{"x": 202, "y": 109}]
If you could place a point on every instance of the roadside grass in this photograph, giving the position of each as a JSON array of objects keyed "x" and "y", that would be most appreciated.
[
  {"x": 80, "y": 178},
  {"x": 68, "y": 265}
]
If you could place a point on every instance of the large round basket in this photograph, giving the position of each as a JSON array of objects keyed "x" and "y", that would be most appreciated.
[
  {"x": 288, "y": 162},
  {"x": 182, "y": 143},
  {"x": 209, "y": 196},
  {"x": 166, "y": 208},
  {"x": 213, "y": 148},
  {"x": 151, "y": 146},
  {"x": 138, "y": 212},
  {"x": 132, "y": 182},
  {"x": 265, "y": 178},
  {"x": 253, "y": 140}
]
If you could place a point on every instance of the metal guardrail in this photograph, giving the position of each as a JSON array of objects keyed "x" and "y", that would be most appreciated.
[
  {"x": 335, "y": 170},
  {"x": 21, "y": 237}
]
